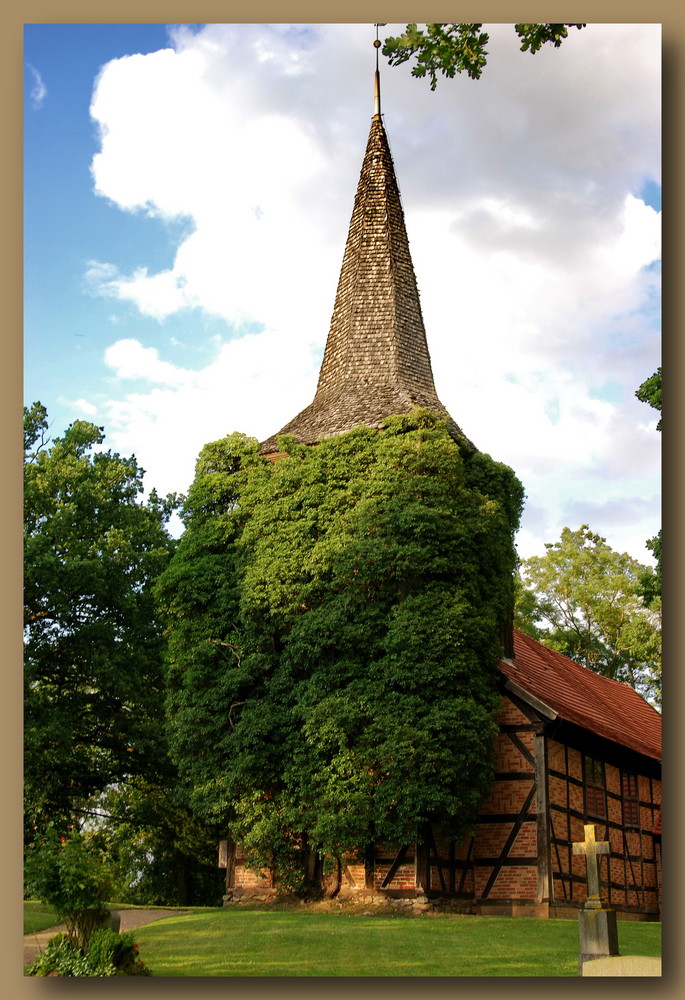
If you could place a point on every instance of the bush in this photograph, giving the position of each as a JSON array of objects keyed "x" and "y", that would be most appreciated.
[
  {"x": 119, "y": 951},
  {"x": 71, "y": 878},
  {"x": 108, "y": 954},
  {"x": 60, "y": 958}
]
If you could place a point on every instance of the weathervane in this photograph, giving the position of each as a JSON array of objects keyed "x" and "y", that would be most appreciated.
[{"x": 377, "y": 84}]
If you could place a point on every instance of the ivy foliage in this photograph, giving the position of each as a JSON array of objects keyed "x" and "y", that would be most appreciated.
[
  {"x": 333, "y": 621},
  {"x": 458, "y": 48}
]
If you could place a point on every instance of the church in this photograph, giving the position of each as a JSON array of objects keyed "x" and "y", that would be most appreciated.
[{"x": 574, "y": 747}]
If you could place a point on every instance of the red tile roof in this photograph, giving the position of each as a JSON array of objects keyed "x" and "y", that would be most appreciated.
[{"x": 605, "y": 707}]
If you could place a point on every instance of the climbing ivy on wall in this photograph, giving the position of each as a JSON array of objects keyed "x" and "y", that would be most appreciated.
[{"x": 333, "y": 621}]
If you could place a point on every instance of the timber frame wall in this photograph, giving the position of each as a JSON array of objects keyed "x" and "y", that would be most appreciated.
[{"x": 551, "y": 778}]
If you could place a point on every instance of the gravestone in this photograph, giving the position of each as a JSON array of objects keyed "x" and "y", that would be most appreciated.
[
  {"x": 596, "y": 924},
  {"x": 111, "y": 921}
]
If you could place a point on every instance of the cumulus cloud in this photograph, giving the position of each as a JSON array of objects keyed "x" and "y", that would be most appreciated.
[
  {"x": 178, "y": 139},
  {"x": 172, "y": 411},
  {"x": 82, "y": 406},
  {"x": 158, "y": 295},
  {"x": 130, "y": 360},
  {"x": 534, "y": 252}
]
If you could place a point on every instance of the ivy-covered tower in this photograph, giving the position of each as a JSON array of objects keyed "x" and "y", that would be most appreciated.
[
  {"x": 333, "y": 688},
  {"x": 376, "y": 361},
  {"x": 338, "y": 610}
]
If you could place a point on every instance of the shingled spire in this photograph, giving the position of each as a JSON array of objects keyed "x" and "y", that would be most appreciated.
[{"x": 376, "y": 361}]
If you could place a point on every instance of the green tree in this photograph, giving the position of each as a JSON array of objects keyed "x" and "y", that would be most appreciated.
[
  {"x": 71, "y": 877},
  {"x": 93, "y": 646},
  {"x": 333, "y": 622},
  {"x": 650, "y": 392},
  {"x": 583, "y": 599},
  {"x": 158, "y": 853},
  {"x": 457, "y": 48}
]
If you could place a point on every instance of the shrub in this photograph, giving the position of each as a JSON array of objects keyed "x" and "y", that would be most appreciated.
[
  {"x": 108, "y": 954},
  {"x": 60, "y": 958},
  {"x": 107, "y": 949},
  {"x": 72, "y": 878}
]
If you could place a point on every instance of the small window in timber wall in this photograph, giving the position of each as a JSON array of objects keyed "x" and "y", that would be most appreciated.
[
  {"x": 631, "y": 808},
  {"x": 595, "y": 789}
]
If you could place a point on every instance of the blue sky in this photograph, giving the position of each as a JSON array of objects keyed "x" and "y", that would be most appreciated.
[
  {"x": 187, "y": 196},
  {"x": 63, "y": 328}
]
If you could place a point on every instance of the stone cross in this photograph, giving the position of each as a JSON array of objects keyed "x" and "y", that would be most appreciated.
[{"x": 592, "y": 849}]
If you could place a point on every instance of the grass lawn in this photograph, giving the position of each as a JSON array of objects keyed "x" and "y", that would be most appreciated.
[
  {"x": 38, "y": 916},
  {"x": 250, "y": 943}
]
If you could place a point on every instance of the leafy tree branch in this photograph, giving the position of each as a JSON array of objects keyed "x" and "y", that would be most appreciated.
[
  {"x": 456, "y": 48},
  {"x": 585, "y": 600}
]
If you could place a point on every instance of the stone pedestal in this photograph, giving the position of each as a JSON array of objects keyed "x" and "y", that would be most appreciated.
[
  {"x": 597, "y": 926},
  {"x": 628, "y": 965},
  {"x": 598, "y": 934}
]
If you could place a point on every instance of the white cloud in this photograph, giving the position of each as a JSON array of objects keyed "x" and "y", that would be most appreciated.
[
  {"x": 639, "y": 242},
  {"x": 38, "y": 92},
  {"x": 241, "y": 389},
  {"x": 81, "y": 406},
  {"x": 530, "y": 242},
  {"x": 130, "y": 360},
  {"x": 159, "y": 295},
  {"x": 174, "y": 143}
]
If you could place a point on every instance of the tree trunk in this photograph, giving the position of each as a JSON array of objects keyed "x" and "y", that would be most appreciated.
[
  {"x": 313, "y": 870},
  {"x": 184, "y": 881}
]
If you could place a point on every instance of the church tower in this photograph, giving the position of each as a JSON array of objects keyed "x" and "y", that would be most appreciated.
[
  {"x": 376, "y": 362},
  {"x": 377, "y": 365},
  {"x": 571, "y": 748}
]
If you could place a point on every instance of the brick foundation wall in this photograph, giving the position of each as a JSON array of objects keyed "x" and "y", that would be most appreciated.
[{"x": 248, "y": 878}]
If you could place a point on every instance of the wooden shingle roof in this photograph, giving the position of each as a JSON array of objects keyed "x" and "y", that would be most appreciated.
[
  {"x": 575, "y": 694},
  {"x": 376, "y": 362}
]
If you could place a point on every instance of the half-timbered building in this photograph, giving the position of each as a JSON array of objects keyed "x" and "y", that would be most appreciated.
[{"x": 573, "y": 747}]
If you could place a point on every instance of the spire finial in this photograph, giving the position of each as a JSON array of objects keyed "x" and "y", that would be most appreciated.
[{"x": 377, "y": 82}]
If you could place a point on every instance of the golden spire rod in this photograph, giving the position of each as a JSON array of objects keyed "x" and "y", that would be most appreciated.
[{"x": 377, "y": 81}]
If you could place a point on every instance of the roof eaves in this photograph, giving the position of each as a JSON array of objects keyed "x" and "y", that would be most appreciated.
[
  {"x": 544, "y": 710},
  {"x": 595, "y": 703}
]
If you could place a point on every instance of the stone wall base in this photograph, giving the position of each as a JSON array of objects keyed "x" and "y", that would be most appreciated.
[
  {"x": 551, "y": 909},
  {"x": 409, "y": 900},
  {"x": 512, "y": 908},
  {"x": 251, "y": 894}
]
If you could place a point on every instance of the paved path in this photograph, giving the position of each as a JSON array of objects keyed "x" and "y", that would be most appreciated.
[{"x": 130, "y": 919}]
